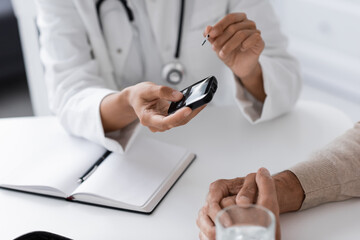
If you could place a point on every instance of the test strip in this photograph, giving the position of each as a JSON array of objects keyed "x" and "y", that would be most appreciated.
[{"x": 206, "y": 38}]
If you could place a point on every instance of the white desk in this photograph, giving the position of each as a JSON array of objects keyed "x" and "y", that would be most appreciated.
[{"x": 227, "y": 146}]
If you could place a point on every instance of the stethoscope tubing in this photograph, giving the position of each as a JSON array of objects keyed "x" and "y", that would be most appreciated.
[{"x": 170, "y": 67}]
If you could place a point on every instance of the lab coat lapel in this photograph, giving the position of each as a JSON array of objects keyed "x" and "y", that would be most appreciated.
[
  {"x": 87, "y": 11},
  {"x": 164, "y": 17}
]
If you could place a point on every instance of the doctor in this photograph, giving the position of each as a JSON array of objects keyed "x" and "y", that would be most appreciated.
[{"x": 109, "y": 63}]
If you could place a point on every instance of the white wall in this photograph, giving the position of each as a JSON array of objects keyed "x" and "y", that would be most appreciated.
[
  {"x": 325, "y": 36},
  {"x": 25, "y": 12}
]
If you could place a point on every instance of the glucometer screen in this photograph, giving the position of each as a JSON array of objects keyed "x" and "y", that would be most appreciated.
[
  {"x": 196, "y": 92},
  {"x": 196, "y": 95}
]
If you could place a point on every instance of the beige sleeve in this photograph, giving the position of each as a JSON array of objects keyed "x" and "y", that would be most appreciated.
[{"x": 333, "y": 173}]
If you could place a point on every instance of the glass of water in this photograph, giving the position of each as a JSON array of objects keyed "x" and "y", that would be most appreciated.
[{"x": 245, "y": 222}]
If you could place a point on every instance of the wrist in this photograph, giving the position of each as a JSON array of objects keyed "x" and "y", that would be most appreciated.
[
  {"x": 253, "y": 82},
  {"x": 248, "y": 77},
  {"x": 290, "y": 193},
  {"x": 116, "y": 111},
  {"x": 125, "y": 102}
]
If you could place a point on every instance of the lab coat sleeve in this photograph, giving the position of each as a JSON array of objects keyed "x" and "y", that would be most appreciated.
[
  {"x": 281, "y": 74},
  {"x": 72, "y": 74}
]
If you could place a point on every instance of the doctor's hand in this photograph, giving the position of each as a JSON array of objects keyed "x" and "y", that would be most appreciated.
[
  {"x": 238, "y": 43},
  {"x": 151, "y": 103},
  {"x": 147, "y": 102}
]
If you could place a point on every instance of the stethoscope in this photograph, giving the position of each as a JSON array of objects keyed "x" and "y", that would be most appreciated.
[{"x": 172, "y": 72}]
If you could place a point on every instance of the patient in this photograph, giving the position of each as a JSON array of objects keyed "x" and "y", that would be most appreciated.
[{"x": 331, "y": 174}]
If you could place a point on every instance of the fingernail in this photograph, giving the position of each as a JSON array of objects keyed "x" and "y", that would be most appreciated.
[
  {"x": 221, "y": 53},
  {"x": 264, "y": 172},
  {"x": 177, "y": 94},
  {"x": 187, "y": 113},
  {"x": 244, "y": 200}
]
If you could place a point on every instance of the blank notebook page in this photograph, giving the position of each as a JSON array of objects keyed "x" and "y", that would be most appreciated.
[
  {"x": 42, "y": 153},
  {"x": 134, "y": 177}
]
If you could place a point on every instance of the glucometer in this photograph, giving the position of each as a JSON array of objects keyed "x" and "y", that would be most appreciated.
[{"x": 196, "y": 95}]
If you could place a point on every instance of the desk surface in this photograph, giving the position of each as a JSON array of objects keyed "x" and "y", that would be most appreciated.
[{"x": 227, "y": 146}]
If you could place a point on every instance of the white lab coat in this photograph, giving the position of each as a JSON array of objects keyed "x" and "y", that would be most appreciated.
[{"x": 81, "y": 68}]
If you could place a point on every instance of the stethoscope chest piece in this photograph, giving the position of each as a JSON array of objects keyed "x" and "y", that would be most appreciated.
[{"x": 173, "y": 72}]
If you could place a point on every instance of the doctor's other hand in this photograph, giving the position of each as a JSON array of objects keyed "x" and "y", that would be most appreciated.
[
  {"x": 147, "y": 102},
  {"x": 238, "y": 43},
  {"x": 288, "y": 194}
]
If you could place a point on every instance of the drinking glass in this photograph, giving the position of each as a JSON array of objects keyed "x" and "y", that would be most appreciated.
[{"x": 245, "y": 222}]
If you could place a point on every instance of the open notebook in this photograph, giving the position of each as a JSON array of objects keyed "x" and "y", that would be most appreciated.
[{"x": 38, "y": 156}]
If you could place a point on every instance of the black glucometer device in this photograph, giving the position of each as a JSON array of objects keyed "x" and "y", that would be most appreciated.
[{"x": 196, "y": 95}]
